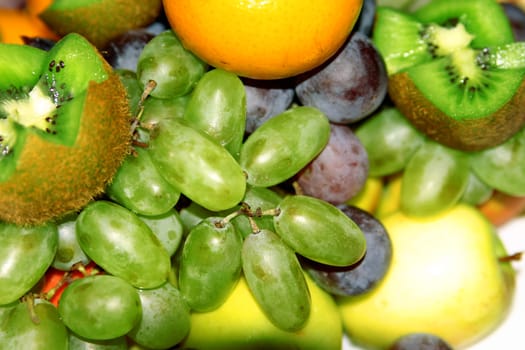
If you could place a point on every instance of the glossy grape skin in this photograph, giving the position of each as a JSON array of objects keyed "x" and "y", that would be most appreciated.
[
  {"x": 139, "y": 186},
  {"x": 276, "y": 280},
  {"x": 283, "y": 145},
  {"x": 434, "y": 179},
  {"x": 167, "y": 228},
  {"x": 503, "y": 167},
  {"x": 78, "y": 343},
  {"x": 197, "y": 166},
  {"x": 217, "y": 106},
  {"x": 340, "y": 171},
  {"x": 210, "y": 264},
  {"x": 420, "y": 341},
  {"x": 165, "y": 319},
  {"x": 362, "y": 276},
  {"x": 117, "y": 240},
  {"x": 123, "y": 52},
  {"x": 516, "y": 17},
  {"x": 165, "y": 61},
  {"x": 21, "y": 332},
  {"x": 476, "y": 192},
  {"x": 390, "y": 141},
  {"x": 109, "y": 307},
  {"x": 25, "y": 255},
  {"x": 319, "y": 231},
  {"x": 264, "y": 100},
  {"x": 350, "y": 86},
  {"x": 69, "y": 251}
]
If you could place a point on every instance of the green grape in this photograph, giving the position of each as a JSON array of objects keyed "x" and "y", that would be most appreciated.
[
  {"x": 192, "y": 214},
  {"x": 390, "y": 141},
  {"x": 140, "y": 187},
  {"x": 77, "y": 342},
  {"x": 503, "y": 167},
  {"x": 319, "y": 231},
  {"x": 257, "y": 197},
  {"x": 5, "y": 315},
  {"x": 283, "y": 145},
  {"x": 165, "y": 318},
  {"x": 217, "y": 106},
  {"x": 165, "y": 61},
  {"x": 117, "y": 240},
  {"x": 44, "y": 331},
  {"x": 197, "y": 166},
  {"x": 26, "y": 252},
  {"x": 69, "y": 251},
  {"x": 133, "y": 88},
  {"x": 434, "y": 179},
  {"x": 276, "y": 280},
  {"x": 168, "y": 229},
  {"x": 210, "y": 264},
  {"x": 100, "y": 307},
  {"x": 476, "y": 192}
]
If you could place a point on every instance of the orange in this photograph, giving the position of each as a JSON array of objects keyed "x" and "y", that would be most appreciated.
[
  {"x": 36, "y": 7},
  {"x": 263, "y": 39},
  {"x": 16, "y": 23}
]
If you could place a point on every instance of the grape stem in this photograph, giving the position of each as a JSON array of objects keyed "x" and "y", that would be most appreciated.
[
  {"x": 29, "y": 299},
  {"x": 512, "y": 257},
  {"x": 150, "y": 86}
]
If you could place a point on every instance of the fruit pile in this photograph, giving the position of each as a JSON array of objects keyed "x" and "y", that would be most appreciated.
[{"x": 307, "y": 171}]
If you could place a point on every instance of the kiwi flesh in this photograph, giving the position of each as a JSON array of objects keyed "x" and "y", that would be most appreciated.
[
  {"x": 64, "y": 129},
  {"x": 100, "y": 21},
  {"x": 454, "y": 79}
]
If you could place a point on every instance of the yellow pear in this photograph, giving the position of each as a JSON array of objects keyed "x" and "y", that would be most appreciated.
[
  {"x": 240, "y": 324},
  {"x": 445, "y": 278}
]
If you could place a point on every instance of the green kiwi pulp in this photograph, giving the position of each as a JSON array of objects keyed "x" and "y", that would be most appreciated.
[
  {"x": 100, "y": 21},
  {"x": 64, "y": 129},
  {"x": 454, "y": 79}
]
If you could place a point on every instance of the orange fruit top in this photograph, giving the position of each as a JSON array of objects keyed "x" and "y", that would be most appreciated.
[
  {"x": 36, "y": 7},
  {"x": 263, "y": 39},
  {"x": 16, "y": 23}
]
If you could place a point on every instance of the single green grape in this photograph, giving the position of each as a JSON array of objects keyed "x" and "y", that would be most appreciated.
[
  {"x": 197, "y": 166},
  {"x": 69, "y": 252},
  {"x": 319, "y": 231},
  {"x": 117, "y": 240},
  {"x": 390, "y": 141},
  {"x": 167, "y": 228},
  {"x": 210, "y": 264},
  {"x": 283, "y": 145},
  {"x": 100, "y": 307},
  {"x": 434, "y": 179},
  {"x": 276, "y": 280},
  {"x": 217, "y": 106},
  {"x": 165, "y": 319},
  {"x": 140, "y": 187},
  {"x": 174, "y": 69},
  {"x": 476, "y": 191},
  {"x": 44, "y": 331},
  {"x": 503, "y": 167},
  {"x": 26, "y": 252}
]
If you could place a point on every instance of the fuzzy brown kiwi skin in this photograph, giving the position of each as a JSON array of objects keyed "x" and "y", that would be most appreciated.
[
  {"x": 465, "y": 135},
  {"x": 52, "y": 180},
  {"x": 103, "y": 21}
]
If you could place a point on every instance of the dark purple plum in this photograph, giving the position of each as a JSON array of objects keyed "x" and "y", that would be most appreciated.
[
  {"x": 265, "y": 100},
  {"x": 339, "y": 172},
  {"x": 516, "y": 16},
  {"x": 420, "y": 341},
  {"x": 350, "y": 86},
  {"x": 365, "y": 274}
]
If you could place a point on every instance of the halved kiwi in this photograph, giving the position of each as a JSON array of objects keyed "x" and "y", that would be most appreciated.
[
  {"x": 454, "y": 71},
  {"x": 64, "y": 128},
  {"x": 100, "y": 21}
]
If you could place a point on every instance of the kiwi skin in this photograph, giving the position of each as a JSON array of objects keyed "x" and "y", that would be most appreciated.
[
  {"x": 52, "y": 180},
  {"x": 465, "y": 135},
  {"x": 102, "y": 21}
]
